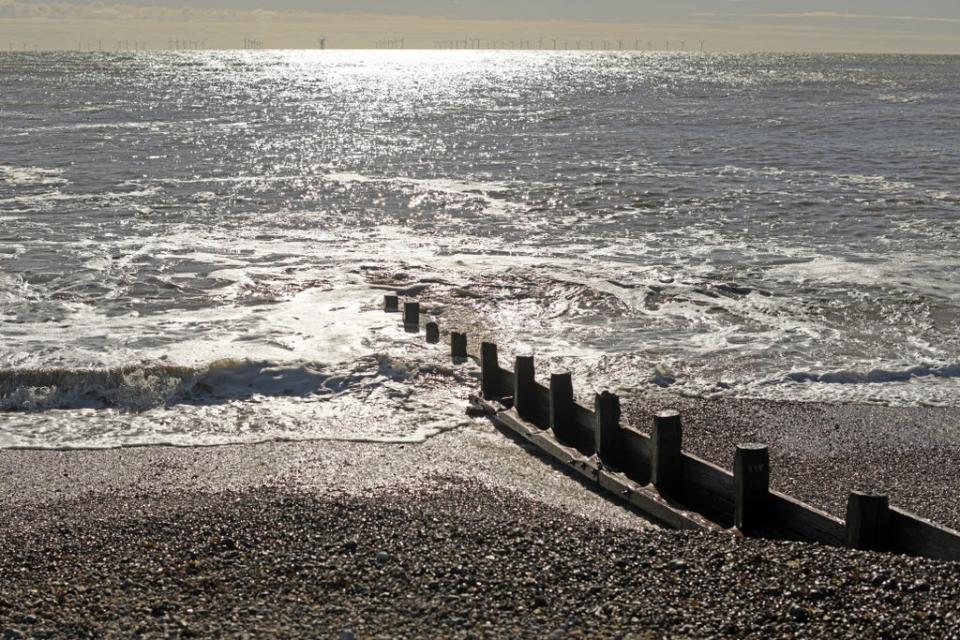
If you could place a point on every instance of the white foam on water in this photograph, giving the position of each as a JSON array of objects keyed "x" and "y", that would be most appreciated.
[
  {"x": 481, "y": 190},
  {"x": 31, "y": 176},
  {"x": 375, "y": 399},
  {"x": 41, "y": 201}
]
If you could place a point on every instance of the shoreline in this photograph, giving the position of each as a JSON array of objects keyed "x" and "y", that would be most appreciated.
[{"x": 819, "y": 452}]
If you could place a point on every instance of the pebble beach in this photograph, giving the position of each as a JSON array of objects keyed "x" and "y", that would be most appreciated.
[{"x": 468, "y": 535}]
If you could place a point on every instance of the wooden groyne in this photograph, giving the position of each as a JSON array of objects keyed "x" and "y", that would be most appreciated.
[{"x": 651, "y": 471}]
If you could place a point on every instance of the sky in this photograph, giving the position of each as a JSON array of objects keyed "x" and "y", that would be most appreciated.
[{"x": 885, "y": 26}]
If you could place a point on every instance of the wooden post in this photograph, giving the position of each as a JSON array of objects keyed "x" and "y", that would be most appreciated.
[
  {"x": 411, "y": 314},
  {"x": 458, "y": 345},
  {"x": 433, "y": 333},
  {"x": 868, "y": 521},
  {"x": 489, "y": 371},
  {"x": 391, "y": 304},
  {"x": 751, "y": 486},
  {"x": 524, "y": 392},
  {"x": 606, "y": 432},
  {"x": 561, "y": 407},
  {"x": 666, "y": 443}
]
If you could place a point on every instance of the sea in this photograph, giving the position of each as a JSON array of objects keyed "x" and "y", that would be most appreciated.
[{"x": 195, "y": 246}]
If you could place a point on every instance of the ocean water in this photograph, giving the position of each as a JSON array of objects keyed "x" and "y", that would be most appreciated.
[{"x": 194, "y": 246}]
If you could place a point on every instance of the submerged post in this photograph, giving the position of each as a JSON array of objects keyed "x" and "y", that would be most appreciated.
[
  {"x": 666, "y": 443},
  {"x": 489, "y": 371},
  {"x": 524, "y": 391},
  {"x": 868, "y": 521},
  {"x": 751, "y": 486},
  {"x": 391, "y": 303},
  {"x": 411, "y": 314},
  {"x": 433, "y": 333},
  {"x": 561, "y": 407},
  {"x": 606, "y": 432},
  {"x": 458, "y": 345}
]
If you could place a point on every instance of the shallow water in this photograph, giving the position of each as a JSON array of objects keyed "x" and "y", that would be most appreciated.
[{"x": 194, "y": 245}]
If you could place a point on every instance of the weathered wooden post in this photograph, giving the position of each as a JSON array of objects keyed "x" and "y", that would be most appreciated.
[
  {"x": 489, "y": 371},
  {"x": 433, "y": 333},
  {"x": 751, "y": 486},
  {"x": 606, "y": 431},
  {"x": 868, "y": 521},
  {"x": 391, "y": 304},
  {"x": 524, "y": 390},
  {"x": 561, "y": 407},
  {"x": 666, "y": 443},
  {"x": 411, "y": 314},
  {"x": 458, "y": 345}
]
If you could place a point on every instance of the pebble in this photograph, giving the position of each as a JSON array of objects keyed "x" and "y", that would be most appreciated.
[{"x": 494, "y": 565}]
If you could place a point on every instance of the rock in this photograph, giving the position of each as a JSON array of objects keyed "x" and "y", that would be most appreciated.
[
  {"x": 383, "y": 557},
  {"x": 919, "y": 586},
  {"x": 799, "y": 614},
  {"x": 677, "y": 565}
]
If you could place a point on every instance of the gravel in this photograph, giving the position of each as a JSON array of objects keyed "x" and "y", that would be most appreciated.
[
  {"x": 821, "y": 452},
  {"x": 460, "y": 560}
]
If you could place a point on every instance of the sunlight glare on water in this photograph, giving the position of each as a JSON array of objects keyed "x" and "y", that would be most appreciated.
[{"x": 752, "y": 225}]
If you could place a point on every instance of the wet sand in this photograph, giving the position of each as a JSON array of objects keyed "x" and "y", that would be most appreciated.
[{"x": 321, "y": 468}]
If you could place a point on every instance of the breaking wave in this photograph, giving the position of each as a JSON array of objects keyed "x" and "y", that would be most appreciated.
[
  {"x": 877, "y": 376},
  {"x": 139, "y": 388}
]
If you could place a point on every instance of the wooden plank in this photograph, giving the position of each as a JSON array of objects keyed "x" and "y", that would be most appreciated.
[
  {"x": 909, "y": 533},
  {"x": 640, "y": 497},
  {"x": 506, "y": 382},
  {"x": 707, "y": 478},
  {"x": 637, "y": 459},
  {"x": 542, "y": 394},
  {"x": 804, "y": 522},
  {"x": 584, "y": 420},
  {"x": 707, "y": 486}
]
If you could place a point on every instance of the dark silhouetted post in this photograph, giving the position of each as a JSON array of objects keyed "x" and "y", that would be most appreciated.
[
  {"x": 606, "y": 432},
  {"x": 489, "y": 371},
  {"x": 411, "y": 314},
  {"x": 666, "y": 442},
  {"x": 458, "y": 345},
  {"x": 561, "y": 407},
  {"x": 433, "y": 333},
  {"x": 868, "y": 521},
  {"x": 524, "y": 391},
  {"x": 391, "y": 304},
  {"x": 751, "y": 486}
]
